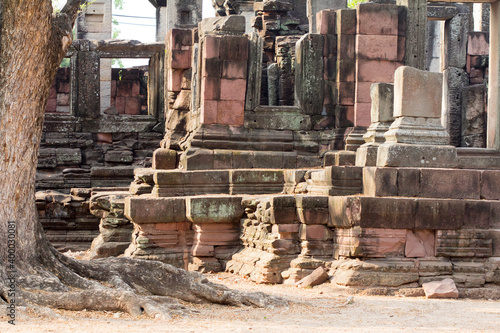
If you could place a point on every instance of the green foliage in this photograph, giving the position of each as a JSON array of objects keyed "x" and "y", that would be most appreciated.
[
  {"x": 118, "y": 4},
  {"x": 354, "y": 3},
  {"x": 117, "y": 62},
  {"x": 65, "y": 63}
]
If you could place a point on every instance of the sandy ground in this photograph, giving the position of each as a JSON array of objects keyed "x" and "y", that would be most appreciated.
[{"x": 318, "y": 309}]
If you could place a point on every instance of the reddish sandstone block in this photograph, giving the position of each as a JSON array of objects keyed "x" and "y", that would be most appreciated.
[
  {"x": 231, "y": 112},
  {"x": 211, "y": 68},
  {"x": 377, "y": 47},
  {"x": 210, "y": 88},
  {"x": 211, "y": 47},
  {"x": 181, "y": 59},
  {"x": 377, "y": 19},
  {"x": 375, "y": 70},
  {"x": 453, "y": 184},
  {"x": 166, "y": 226},
  {"x": 344, "y": 93},
  {"x": 478, "y": 43},
  {"x": 113, "y": 88},
  {"x": 233, "y": 69},
  {"x": 346, "y": 70},
  {"x": 330, "y": 46},
  {"x": 315, "y": 232},
  {"x": 63, "y": 87},
  {"x": 234, "y": 48},
  {"x": 490, "y": 184},
  {"x": 401, "y": 49},
  {"x": 174, "y": 79},
  {"x": 51, "y": 105},
  {"x": 346, "y": 46},
  {"x": 132, "y": 105},
  {"x": 362, "y": 114},
  {"x": 326, "y": 22},
  {"x": 120, "y": 103},
  {"x": 346, "y": 21},
  {"x": 285, "y": 228},
  {"x": 233, "y": 90},
  {"x": 178, "y": 39},
  {"x": 208, "y": 112},
  {"x": 363, "y": 92},
  {"x": 136, "y": 89},
  {"x": 124, "y": 89},
  {"x": 420, "y": 243}
]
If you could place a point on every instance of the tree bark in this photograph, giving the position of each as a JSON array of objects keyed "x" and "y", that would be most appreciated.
[{"x": 33, "y": 42}]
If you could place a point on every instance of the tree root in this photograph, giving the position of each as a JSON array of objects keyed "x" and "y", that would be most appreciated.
[{"x": 137, "y": 287}]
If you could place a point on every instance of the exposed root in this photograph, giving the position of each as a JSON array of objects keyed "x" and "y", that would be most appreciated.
[{"x": 137, "y": 287}]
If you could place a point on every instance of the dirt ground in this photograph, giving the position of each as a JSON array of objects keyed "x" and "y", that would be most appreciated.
[{"x": 319, "y": 309}]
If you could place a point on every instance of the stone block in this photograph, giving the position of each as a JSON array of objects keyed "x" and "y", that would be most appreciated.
[
  {"x": 178, "y": 39},
  {"x": 233, "y": 89},
  {"x": 454, "y": 50},
  {"x": 211, "y": 68},
  {"x": 453, "y": 184},
  {"x": 490, "y": 185},
  {"x": 142, "y": 210},
  {"x": 346, "y": 21},
  {"x": 119, "y": 156},
  {"x": 346, "y": 70},
  {"x": 214, "y": 209},
  {"x": 477, "y": 214},
  {"x": 408, "y": 182},
  {"x": 164, "y": 159},
  {"x": 233, "y": 69},
  {"x": 440, "y": 289},
  {"x": 377, "y": 19},
  {"x": 182, "y": 102},
  {"x": 234, "y": 48},
  {"x": 443, "y": 214},
  {"x": 363, "y": 92},
  {"x": 474, "y": 116},
  {"x": 309, "y": 73},
  {"x": 382, "y": 99},
  {"x": 362, "y": 113},
  {"x": 315, "y": 232},
  {"x": 199, "y": 159},
  {"x": 420, "y": 243},
  {"x": 209, "y": 112},
  {"x": 132, "y": 106},
  {"x": 51, "y": 105},
  {"x": 417, "y": 93},
  {"x": 409, "y": 155},
  {"x": 210, "y": 88},
  {"x": 380, "y": 182},
  {"x": 68, "y": 156},
  {"x": 346, "y": 46},
  {"x": 371, "y": 212},
  {"x": 211, "y": 47},
  {"x": 370, "y": 242},
  {"x": 377, "y": 47},
  {"x": 243, "y": 159},
  {"x": 181, "y": 59},
  {"x": 326, "y": 22},
  {"x": 478, "y": 43},
  {"x": 223, "y": 159},
  {"x": 174, "y": 79},
  {"x": 375, "y": 70},
  {"x": 231, "y": 112},
  {"x": 463, "y": 243},
  {"x": 344, "y": 95},
  {"x": 267, "y": 160}
]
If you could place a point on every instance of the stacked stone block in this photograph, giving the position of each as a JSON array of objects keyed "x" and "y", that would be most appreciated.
[
  {"x": 59, "y": 97},
  {"x": 224, "y": 79},
  {"x": 474, "y": 96},
  {"x": 66, "y": 219},
  {"x": 128, "y": 92}
]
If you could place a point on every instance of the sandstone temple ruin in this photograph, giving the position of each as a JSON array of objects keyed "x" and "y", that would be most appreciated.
[{"x": 281, "y": 136}]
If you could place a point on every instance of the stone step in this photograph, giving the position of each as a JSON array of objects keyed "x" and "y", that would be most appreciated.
[{"x": 432, "y": 183}]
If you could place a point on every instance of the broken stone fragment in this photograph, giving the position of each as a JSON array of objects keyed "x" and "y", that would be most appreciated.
[
  {"x": 318, "y": 276},
  {"x": 441, "y": 289}
]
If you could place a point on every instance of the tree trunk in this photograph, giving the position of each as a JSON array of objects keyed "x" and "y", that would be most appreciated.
[{"x": 33, "y": 42}]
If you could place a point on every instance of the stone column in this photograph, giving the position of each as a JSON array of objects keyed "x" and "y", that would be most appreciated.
[
  {"x": 416, "y": 138},
  {"x": 493, "y": 136},
  {"x": 315, "y": 6},
  {"x": 416, "y": 32},
  {"x": 245, "y": 8},
  {"x": 454, "y": 58},
  {"x": 95, "y": 24},
  {"x": 382, "y": 115}
]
